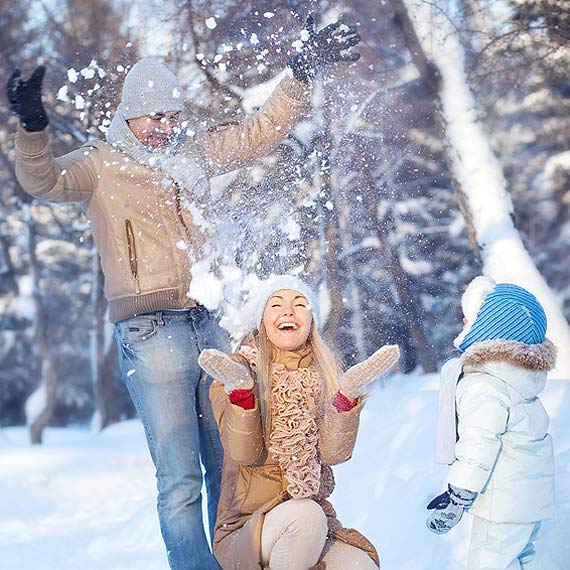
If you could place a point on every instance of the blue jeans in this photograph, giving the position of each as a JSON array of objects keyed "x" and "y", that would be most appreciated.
[{"x": 158, "y": 354}]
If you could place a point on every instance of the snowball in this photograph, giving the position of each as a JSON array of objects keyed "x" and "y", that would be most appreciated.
[
  {"x": 62, "y": 94},
  {"x": 79, "y": 102},
  {"x": 72, "y": 75},
  {"x": 254, "y": 39},
  {"x": 211, "y": 23},
  {"x": 268, "y": 14},
  {"x": 87, "y": 73},
  {"x": 298, "y": 45}
]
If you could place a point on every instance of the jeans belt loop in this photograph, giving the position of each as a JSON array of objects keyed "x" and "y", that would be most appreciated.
[{"x": 159, "y": 319}]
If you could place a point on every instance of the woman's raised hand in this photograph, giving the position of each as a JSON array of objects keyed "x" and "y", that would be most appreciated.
[
  {"x": 232, "y": 374},
  {"x": 353, "y": 381}
]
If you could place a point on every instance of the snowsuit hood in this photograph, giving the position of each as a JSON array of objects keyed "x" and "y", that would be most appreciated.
[{"x": 522, "y": 366}]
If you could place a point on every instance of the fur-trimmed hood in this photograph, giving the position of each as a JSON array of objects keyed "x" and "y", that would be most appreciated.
[{"x": 522, "y": 366}]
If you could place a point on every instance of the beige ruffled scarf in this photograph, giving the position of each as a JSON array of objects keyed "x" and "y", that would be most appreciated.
[
  {"x": 294, "y": 436},
  {"x": 295, "y": 398}
]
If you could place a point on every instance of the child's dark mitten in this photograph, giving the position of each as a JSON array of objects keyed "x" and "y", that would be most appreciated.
[{"x": 447, "y": 509}]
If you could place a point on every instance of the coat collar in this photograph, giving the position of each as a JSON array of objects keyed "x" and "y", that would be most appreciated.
[
  {"x": 532, "y": 357},
  {"x": 292, "y": 359}
]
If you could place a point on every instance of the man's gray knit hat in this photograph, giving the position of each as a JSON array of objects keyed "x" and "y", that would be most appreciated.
[{"x": 150, "y": 87}]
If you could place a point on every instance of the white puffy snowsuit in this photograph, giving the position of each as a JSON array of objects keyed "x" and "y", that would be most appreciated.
[{"x": 503, "y": 451}]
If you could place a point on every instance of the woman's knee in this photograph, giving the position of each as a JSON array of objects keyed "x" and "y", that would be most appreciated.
[
  {"x": 309, "y": 515},
  {"x": 341, "y": 556},
  {"x": 299, "y": 515}
]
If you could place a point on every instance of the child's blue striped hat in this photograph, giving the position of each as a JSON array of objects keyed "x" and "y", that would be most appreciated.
[{"x": 508, "y": 312}]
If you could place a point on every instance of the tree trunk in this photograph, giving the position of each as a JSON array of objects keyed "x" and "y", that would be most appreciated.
[
  {"x": 103, "y": 358},
  {"x": 407, "y": 303},
  {"x": 40, "y": 405},
  {"x": 327, "y": 211}
]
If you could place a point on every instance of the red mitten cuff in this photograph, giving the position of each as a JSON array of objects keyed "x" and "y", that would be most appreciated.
[
  {"x": 342, "y": 403},
  {"x": 242, "y": 398}
]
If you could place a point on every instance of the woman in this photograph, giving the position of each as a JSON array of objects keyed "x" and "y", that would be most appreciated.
[{"x": 285, "y": 415}]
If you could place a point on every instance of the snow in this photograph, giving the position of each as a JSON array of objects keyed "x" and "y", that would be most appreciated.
[{"x": 85, "y": 500}]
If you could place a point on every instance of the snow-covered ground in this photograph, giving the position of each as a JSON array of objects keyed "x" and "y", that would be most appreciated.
[{"x": 87, "y": 501}]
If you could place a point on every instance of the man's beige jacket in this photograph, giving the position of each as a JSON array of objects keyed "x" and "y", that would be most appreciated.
[{"x": 140, "y": 227}]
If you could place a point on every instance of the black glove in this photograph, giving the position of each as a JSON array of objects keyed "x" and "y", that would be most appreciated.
[
  {"x": 448, "y": 509},
  {"x": 25, "y": 97},
  {"x": 323, "y": 48}
]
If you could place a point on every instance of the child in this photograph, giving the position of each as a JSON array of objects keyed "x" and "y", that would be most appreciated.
[
  {"x": 285, "y": 415},
  {"x": 492, "y": 428}
]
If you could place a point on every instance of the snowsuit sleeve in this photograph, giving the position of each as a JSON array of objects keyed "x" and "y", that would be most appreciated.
[
  {"x": 240, "y": 430},
  {"x": 482, "y": 411},
  {"x": 69, "y": 178},
  {"x": 232, "y": 146},
  {"x": 337, "y": 434}
]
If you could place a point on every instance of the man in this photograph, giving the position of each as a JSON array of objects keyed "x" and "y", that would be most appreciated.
[{"x": 134, "y": 187}]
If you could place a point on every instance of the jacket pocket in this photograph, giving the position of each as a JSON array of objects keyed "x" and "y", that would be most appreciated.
[
  {"x": 132, "y": 250},
  {"x": 255, "y": 486}
]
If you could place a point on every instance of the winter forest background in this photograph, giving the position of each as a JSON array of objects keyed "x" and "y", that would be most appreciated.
[
  {"x": 442, "y": 153},
  {"x": 362, "y": 197}
]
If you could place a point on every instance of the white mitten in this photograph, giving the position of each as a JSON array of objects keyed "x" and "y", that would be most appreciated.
[
  {"x": 353, "y": 381},
  {"x": 232, "y": 374}
]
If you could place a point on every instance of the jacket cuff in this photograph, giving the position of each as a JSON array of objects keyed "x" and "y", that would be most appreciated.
[
  {"x": 294, "y": 89},
  {"x": 31, "y": 143},
  {"x": 344, "y": 404},
  {"x": 466, "y": 476},
  {"x": 242, "y": 398}
]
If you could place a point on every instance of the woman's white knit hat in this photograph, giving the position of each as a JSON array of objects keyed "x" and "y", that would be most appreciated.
[
  {"x": 279, "y": 282},
  {"x": 150, "y": 87}
]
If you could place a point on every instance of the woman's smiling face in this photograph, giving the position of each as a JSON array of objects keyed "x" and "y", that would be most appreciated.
[{"x": 287, "y": 319}]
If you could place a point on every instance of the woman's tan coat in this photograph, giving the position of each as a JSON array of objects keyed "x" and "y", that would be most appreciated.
[{"x": 253, "y": 483}]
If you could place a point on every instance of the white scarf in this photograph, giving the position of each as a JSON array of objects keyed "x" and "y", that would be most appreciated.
[
  {"x": 446, "y": 422},
  {"x": 179, "y": 161}
]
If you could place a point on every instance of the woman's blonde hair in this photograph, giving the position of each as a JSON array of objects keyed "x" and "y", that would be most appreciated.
[{"x": 327, "y": 364}]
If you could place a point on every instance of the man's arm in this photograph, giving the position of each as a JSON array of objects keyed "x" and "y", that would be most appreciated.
[
  {"x": 236, "y": 145},
  {"x": 72, "y": 177},
  {"x": 233, "y": 146},
  {"x": 69, "y": 178}
]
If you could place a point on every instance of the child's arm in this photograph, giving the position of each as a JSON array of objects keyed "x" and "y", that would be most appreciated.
[
  {"x": 482, "y": 411},
  {"x": 240, "y": 426}
]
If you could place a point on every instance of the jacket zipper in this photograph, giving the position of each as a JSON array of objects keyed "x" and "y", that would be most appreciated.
[
  {"x": 178, "y": 202},
  {"x": 132, "y": 254}
]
